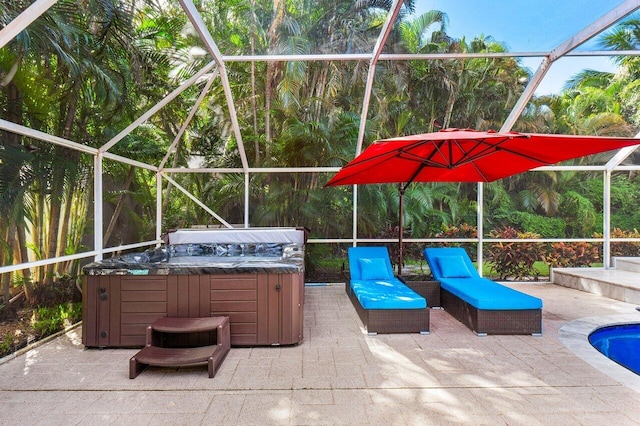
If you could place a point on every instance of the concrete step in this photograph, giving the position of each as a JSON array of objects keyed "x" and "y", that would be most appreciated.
[
  {"x": 630, "y": 264},
  {"x": 615, "y": 284}
]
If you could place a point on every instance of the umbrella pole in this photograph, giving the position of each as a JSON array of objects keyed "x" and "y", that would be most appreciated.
[{"x": 400, "y": 226}]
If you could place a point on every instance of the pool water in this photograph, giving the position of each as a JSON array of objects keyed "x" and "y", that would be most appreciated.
[{"x": 620, "y": 343}]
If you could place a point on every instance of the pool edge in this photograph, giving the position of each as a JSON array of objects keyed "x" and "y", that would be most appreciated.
[{"x": 575, "y": 336}]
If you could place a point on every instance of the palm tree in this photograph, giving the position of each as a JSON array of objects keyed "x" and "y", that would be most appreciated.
[
  {"x": 32, "y": 52},
  {"x": 85, "y": 58},
  {"x": 624, "y": 36}
]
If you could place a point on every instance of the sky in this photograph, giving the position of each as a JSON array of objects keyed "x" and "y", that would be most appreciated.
[{"x": 529, "y": 26}]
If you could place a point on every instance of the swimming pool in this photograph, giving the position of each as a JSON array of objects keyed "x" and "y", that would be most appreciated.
[{"x": 620, "y": 343}]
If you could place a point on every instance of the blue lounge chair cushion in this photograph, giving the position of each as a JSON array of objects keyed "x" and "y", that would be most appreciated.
[
  {"x": 373, "y": 268},
  {"x": 483, "y": 293},
  {"x": 478, "y": 291},
  {"x": 357, "y": 253},
  {"x": 374, "y": 284},
  {"x": 453, "y": 267},
  {"x": 386, "y": 294},
  {"x": 433, "y": 253}
]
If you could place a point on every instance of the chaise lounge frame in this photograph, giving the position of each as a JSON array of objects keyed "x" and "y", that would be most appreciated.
[
  {"x": 483, "y": 322},
  {"x": 385, "y": 321},
  {"x": 399, "y": 319}
]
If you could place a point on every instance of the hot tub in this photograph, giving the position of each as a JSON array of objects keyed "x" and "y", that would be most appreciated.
[{"x": 254, "y": 275}]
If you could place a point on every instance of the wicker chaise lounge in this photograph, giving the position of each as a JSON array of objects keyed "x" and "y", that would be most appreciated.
[
  {"x": 484, "y": 306},
  {"x": 383, "y": 302}
]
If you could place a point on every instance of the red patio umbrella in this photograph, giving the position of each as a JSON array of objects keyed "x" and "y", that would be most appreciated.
[{"x": 455, "y": 155}]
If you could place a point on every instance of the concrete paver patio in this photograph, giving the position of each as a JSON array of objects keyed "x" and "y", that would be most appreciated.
[{"x": 340, "y": 375}]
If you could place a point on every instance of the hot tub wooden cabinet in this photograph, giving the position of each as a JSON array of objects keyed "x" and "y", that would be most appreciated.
[
  {"x": 241, "y": 274},
  {"x": 264, "y": 309}
]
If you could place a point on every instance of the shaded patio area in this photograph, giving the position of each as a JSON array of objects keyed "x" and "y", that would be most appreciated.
[{"x": 340, "y": 375}]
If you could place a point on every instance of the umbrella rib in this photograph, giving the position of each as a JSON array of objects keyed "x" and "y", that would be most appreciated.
[
  {"x": 448, "y": 162},
  {"x": 416, "y": 173},
  {"x": 510, "y": 151},
  {"x": 469, "y": 157},
  {"x": 384, "y": 154},
  {"x": 490, "y": 149},
  {"x": 529, "y": 157},
  {"x": 424, "y": 161},
  {"x": 480, "y": 172}
]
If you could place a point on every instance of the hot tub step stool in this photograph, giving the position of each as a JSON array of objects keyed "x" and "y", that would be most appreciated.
[{"x": 184, "y": 342}]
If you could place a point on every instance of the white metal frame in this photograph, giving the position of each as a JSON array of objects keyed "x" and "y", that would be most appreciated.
[{"x": 217, "y": 69}]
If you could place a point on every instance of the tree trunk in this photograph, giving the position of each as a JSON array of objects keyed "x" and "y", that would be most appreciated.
[
  {"x": 75, "y": 201},
  {"x": 54, "y": 223},
  {"x": 63, "y": 243},
  {"x": 254, "y": 106},
  {"x": 38, "y": 230},
  {"x": 267, "y": 108},
  {"x": 27, "y": 281},
  {"x": 5, "y": 279},
  {"x": 272, "y": 69},
  {"x": 118, "y": 209},
  {"x": 176, "y": 156},
  {"x": 58, "y": 178},
  {"x": 13, "y": 113}
]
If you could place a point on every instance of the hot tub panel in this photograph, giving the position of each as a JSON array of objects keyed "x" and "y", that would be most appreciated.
[{"x": 264, "y": 309}]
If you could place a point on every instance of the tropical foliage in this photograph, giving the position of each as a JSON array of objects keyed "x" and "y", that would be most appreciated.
[
  {"x": 86, "y": 70},
  {"x": 513, "y": 259}
]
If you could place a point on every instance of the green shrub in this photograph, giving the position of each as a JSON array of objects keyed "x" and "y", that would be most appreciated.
[
  {"x": 325, "y": 262},
  {"x": 6, "y": 344},
  {"x": 547, "y": 227},
  {"x": 48, "y": 320},
  {"x": 580, "y": 214},
  {"x": 626, "y": 221},
  {"x": 513, "y": 259}
]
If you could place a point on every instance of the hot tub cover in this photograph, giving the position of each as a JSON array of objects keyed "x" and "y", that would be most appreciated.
[
  {"x": 214, "y": 251},
  {"x": 237, "y": 236}
]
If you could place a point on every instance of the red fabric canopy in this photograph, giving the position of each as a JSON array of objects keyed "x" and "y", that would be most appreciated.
[{"x": 455, "y": 155}]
